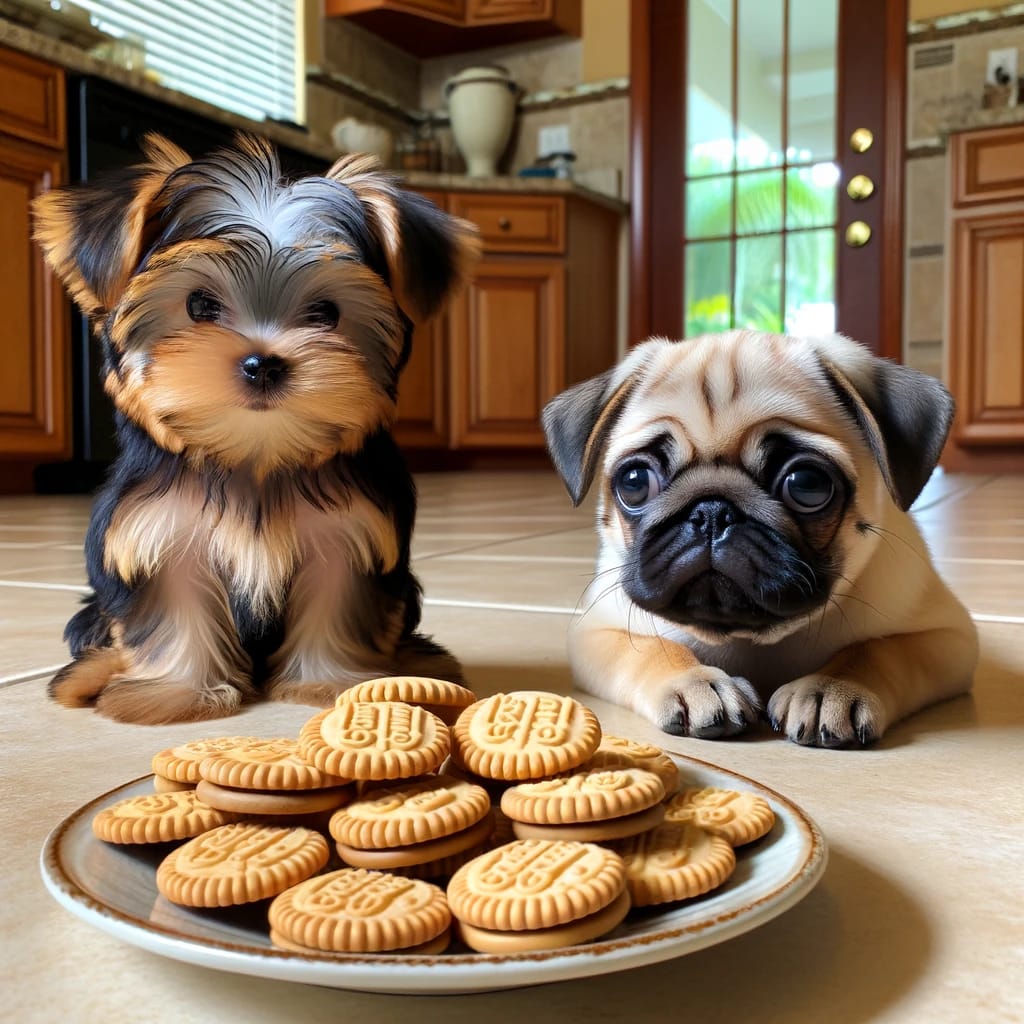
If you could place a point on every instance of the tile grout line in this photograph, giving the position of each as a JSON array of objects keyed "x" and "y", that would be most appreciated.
[
  {"x": 487, "y": 544},
  {"x": 27, "y": 677},
  {"x": 75, "y": 588},
  {"x": 960, "y": 492}
]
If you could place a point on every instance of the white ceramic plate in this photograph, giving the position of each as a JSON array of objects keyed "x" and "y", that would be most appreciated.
[{"x": 114, "y": 889}]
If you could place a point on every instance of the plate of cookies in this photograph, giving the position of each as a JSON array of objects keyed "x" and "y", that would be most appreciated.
[{"x": 415, "y": 839}]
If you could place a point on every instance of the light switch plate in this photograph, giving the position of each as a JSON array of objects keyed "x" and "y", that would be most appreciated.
[
  {"x": 1005, "y": 59},
  {"x": 554, "y": 138}
]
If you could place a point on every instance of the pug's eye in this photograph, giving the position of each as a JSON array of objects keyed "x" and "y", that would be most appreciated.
[
  {"x": 203, "y": 306},
  {"x": 323, "y": 314},
  {"x": 635, "y": 484},
  {"x": 807, "y": 489}
]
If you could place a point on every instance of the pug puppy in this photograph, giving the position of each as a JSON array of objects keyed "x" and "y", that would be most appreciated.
[{"x": 755, "y": 546}]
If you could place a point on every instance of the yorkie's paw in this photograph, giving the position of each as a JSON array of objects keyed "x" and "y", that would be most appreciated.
[
  {"x": 164, "y": 701},
  {"x": 824, "y": 711},
  {"x": 707, "y": 703}
]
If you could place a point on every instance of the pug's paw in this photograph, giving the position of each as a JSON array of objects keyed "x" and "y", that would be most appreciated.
[
  {"x": 707, "y": 703},
  {"x": 823, "y": 711}
]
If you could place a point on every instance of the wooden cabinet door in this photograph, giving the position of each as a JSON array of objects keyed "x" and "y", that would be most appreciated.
[
  {"x": 422, "y": 390},
  {"x": 34, "y": 360},
  {"x": 423, "y": 386},
  {"x": 987, "y": 329},
  {"x": 486, "y": 12},
  {"x": 507, "y": 352}
]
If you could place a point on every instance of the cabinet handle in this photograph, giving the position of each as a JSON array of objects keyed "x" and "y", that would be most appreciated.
[{"x": 504, "y": 223}]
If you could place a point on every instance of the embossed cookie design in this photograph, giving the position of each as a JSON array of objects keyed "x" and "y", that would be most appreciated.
[
  {"x": 438, "y": 696},
  {"x": 264, "y": 764},
  {"x": 240, "y": 863},
  {"x": 374, "y": 740},
  {"x": 738, "y": 817},
  {"x": 675, "y": 861},
  {"x": 538, "y": 894},
  {"x": 620, "y": 752},
  {"x": 356, "y": 911},
  {"x": 181, "y": 763},
  {"x": 526, "y": 734},
  {"x": 157, "y": 818}
]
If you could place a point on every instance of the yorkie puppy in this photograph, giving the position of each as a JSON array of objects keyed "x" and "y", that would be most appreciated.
[{"x": 253, "y": 536}]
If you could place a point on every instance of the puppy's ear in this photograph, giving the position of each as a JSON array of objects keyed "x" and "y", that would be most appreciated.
[
  {"x": 577, "y": 424},
  {"x": 905, "y": 416},
  {"x": 93, "y": 234},
  {"x": 430, "y": 254}
]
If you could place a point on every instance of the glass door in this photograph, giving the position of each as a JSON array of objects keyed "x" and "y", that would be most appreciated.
[
  {"x": 766, "y": 167},
  {"x": 760, "y": 171}
]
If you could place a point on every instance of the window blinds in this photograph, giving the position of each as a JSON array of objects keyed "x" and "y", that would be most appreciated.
[{"x": 240, "y": 55}]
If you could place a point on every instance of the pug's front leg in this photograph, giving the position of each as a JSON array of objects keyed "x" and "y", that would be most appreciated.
[
  {"x": 663, "y": 681},
  {"x": 863, "y": 689}
]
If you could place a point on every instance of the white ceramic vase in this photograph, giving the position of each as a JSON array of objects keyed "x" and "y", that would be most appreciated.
[{"x": 482, "y": 106}]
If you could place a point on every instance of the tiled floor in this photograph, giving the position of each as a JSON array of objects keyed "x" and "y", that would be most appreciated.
[{"x": 917, "y": 918}]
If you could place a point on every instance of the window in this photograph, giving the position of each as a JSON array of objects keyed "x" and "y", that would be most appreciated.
[
  {"x": 241, "y": 55},
  {"x": 761, "y": 178}
]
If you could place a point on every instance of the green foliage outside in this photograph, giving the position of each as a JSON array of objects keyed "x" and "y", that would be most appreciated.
[{"x": 810, "y": 255}]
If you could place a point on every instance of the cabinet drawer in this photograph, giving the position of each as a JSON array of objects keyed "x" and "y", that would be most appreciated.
[
  {"x": 31, "y": 99},
  {"x": 988, "y": 166},
  {"x": 515, "y": 223}
]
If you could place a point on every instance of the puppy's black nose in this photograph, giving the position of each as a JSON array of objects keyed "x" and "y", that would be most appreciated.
[
  {"x": 264, "y": 371},
  {"x": 713, "y": 517}
]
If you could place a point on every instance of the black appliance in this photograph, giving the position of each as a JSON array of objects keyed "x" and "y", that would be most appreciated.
[{"x": 105, "y": 123}]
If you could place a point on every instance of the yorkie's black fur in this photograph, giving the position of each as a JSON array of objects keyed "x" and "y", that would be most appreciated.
[{"x": 253, "y": 536}]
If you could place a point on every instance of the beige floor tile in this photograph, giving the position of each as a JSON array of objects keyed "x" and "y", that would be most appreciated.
[
  {"x": 32, "y": 623},
  {"x": 54, "y": 564},
  {"x": 502, "y": 650},
  {"x": 540, "y": 583}
]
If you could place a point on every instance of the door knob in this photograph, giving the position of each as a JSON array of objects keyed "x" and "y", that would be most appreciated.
[
  {"x": 857, "y": 234},
  {"x": 861, "y": 140},
  {"x": 860, "y": 187}
]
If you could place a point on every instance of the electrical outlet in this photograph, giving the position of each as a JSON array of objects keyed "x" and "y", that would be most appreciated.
[
  {"x": 1002, "y": 66},
  {"x": 555, "y": 139}
]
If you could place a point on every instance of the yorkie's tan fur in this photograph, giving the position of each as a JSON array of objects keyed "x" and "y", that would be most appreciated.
[{"x": 253, "y": 536}]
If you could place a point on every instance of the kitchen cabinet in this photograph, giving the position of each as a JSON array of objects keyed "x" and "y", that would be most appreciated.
[
  {"x": 34, "y": 381},
  {"x": 986, "y": 359},
  {"x": 430, "y": 28},
  {"x": 539, "y": 314}
]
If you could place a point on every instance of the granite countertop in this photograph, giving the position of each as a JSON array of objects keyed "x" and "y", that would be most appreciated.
[
  {"x": 971, "y": 120},
  {"x": 71, "y": 58}
]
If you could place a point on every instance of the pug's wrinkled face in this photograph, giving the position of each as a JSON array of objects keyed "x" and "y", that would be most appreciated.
[{"x": 732, "y": 494}]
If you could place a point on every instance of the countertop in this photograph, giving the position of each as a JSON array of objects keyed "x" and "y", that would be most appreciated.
[
  {"x": 71, "y": 58},
  {"x": 918, "y": 918}
]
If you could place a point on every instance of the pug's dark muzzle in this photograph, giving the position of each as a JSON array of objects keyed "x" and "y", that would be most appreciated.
[{"x": 712, "y": 566}]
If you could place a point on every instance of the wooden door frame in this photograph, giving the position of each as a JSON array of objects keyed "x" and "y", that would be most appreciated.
[{"x": 869, "y": 280}]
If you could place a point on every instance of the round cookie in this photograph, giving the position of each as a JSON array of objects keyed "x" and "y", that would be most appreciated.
[
  {"x": 675, "y": 861},
  {"x": 527, "y": 734},
  {"x": 487, "y": 940},
  {"x": 431, "y": 948},
  {"x": 240, "y": 863},
  {"x": 181, "y": 763},
  {"x": 403, "y": 813},
  {"x": 620, "y": 752},
  {"x": 162, "y": 785},
  {"x": 157, "y": 818},
  {"x": 586, "y": 795},
  {"x": 265, "y": 764},
  {"x": 438, "y": 696},
  {"x": 535, "y": 883},
  {"x": 432, "y": 850},
  {"x": 738, "y": 817},
  {"x": 594, "y": 831},
  {"x": 374, "y": 740},
  {"x": 356, "y": 911},
  {"x": 273, "y": 802}
]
